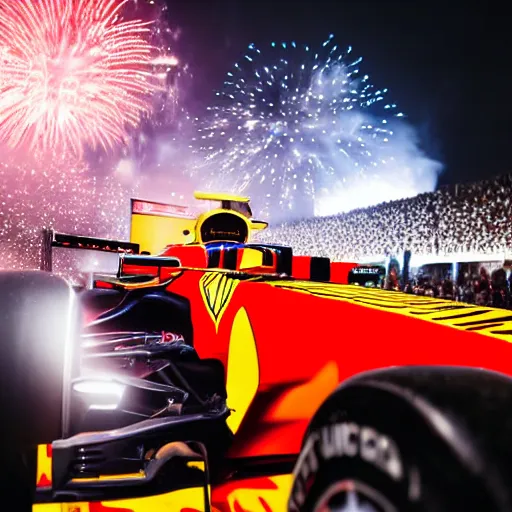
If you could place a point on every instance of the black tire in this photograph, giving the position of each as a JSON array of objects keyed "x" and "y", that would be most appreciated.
[
  {"x": 37, "y": 358},
  {"x": 392, "y": 441}
]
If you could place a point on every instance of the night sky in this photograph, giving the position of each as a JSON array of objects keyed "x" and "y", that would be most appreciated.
[{"x": 447, "y": 67}]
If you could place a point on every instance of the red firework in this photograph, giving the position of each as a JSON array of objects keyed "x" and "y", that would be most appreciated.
[{"x": 73, "y": 74}]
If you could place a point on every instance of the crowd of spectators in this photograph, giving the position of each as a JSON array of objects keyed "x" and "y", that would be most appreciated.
[
  {"x": 474, "y": 218},
  {"x": 479, "y": 287},
  {"x": 471, "y": 218}
]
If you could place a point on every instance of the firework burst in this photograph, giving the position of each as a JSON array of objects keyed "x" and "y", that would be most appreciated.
[
  {"x": 292, "y": 121},
  {"x": 73, "y": 74}
]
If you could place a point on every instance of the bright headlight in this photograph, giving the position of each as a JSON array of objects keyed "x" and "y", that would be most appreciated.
[{"x": 100, "y": 394}]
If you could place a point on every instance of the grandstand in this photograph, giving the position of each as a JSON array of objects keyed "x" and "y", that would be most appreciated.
[
  {"x": 459, "y": 241},
  {"x": 452, "y": 224}
]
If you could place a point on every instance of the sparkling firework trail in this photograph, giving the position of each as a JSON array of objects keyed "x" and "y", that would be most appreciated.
[
  {"x": 291, "y": 122},
  {"x": 73, "y": 74},
  {"x": 70, "y": 200}
]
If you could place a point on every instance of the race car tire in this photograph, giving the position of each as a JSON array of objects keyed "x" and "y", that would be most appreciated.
[
  {"x": 37, "y": 327},
  {"x": 409, "y": 439}
]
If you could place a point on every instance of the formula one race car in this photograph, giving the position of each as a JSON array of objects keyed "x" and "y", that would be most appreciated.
[{"x": 232, "y": 376}]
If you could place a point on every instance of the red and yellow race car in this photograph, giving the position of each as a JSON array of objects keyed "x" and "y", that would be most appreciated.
[{"x": 226, "y": 375}]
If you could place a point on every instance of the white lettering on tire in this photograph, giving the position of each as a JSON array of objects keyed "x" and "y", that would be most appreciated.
[
  {"x": 345, "y": 440},
  {"x": 352, "y": 440}
]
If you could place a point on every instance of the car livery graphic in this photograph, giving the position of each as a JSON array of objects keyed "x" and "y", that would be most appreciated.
[{"x": 229, "y": 375}]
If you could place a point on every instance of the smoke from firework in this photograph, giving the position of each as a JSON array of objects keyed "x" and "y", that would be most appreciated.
[
  {"x": 73, "y": 74},
  {"x": 302, "y": 130}
]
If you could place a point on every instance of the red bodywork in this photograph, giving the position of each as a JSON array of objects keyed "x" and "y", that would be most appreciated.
[{"x": 310, "y": 336}]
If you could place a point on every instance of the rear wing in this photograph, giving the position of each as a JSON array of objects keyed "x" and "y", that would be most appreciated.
[
  {"x": 156, "y": 225},
  {"x": 51, "y": 239}
]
